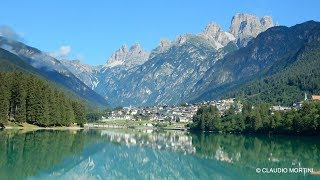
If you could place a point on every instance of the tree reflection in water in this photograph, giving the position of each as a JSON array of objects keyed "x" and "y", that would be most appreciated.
[{"x": 145, "y": 154}]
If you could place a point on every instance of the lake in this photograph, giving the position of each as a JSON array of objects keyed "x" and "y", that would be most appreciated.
[{"x": 147, "y": 154}]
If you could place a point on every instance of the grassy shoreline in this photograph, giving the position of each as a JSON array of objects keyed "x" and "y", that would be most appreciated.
[
  {"x": 116, "y": 124},
  {"x": 22, "y": 126}
]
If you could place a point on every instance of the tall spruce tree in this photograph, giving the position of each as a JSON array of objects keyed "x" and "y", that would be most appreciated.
[
  {"x": 4, "y": 101},
  {"x": 31, "y": 101},
  {"x": 18, "y": 97},
  {"x": 79, "y": 111}
]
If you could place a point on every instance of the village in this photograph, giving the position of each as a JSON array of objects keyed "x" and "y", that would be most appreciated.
[
  {"x": 184, "y": 113},
  {"x": 181, "y": 113}
]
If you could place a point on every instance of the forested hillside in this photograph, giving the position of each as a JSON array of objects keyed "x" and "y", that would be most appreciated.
[
  {"x": 288, "y": 86},
  {"x": 17, "y": 55},
  {"x": 26, "y": 98}
]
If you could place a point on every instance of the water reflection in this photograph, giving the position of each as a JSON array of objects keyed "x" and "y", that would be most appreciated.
[
  {"x": 24, "y": 154},
  {"x": 250, "y": 150},
  {"x": 165, "y": 140},
  {"x": 114, "y": 154},
  {"x": 260, "y": 151}
]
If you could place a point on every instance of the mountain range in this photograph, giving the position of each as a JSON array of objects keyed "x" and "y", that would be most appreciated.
[
  {"x": 169, "y": 74},
  {"x": 190, "y": 68}
]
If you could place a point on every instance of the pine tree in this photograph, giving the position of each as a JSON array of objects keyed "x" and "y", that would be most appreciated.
[
  {"x": 31, "y": 101},
  {"x": 4, "y": 101},
  {"x": 53, "y": 106},
  {"x": 42, "y": 106},
  {"x": 18, "y": 100},
  {"x": 70, "y": 116},
  {"x": 80, "y": 113}
]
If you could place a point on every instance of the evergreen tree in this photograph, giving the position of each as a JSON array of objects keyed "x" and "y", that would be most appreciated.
[
  {"x": 42, "y": 111},
  {"x": 62, "y": 109},
  {"x": 18, "y": 97},
  {"x": 4, "y": 101},
  {"x": 70, "y": 116},
  {"x": 53, "y": 106},
  {"x": 31, "y": 101},
  {"x": 79, "y": 111}
]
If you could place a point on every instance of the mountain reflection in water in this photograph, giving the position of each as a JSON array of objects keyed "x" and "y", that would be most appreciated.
[{"x": 114, "y": 154}]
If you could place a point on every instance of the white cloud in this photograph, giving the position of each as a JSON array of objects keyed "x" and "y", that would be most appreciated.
[
  {"x": 61, "y": 53},
  {"x": 8, "y": 32}
]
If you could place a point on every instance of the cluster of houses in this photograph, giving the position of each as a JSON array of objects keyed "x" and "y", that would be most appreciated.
[
  {"x": 181, "y": 113},
  {"x": 185, "y": 112},
  {"x": 297, "y": 105}
]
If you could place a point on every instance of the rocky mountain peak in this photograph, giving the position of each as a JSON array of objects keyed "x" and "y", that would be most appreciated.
[
  {"x": 128, "y": 57},
  {"x": 123, "y": 49},
  {"x": 164, "y": 43},
  {"x": 266, "y": 22},
  {"x": 136, "y": 47},
  {"x": 181, "y": 39},
  {"x": 244, "y": 27},
  {"x": 117, "y": 58},
  {"x": 212, "y": 28},
  {"x": 163, "y": 46},
  {"x": 216, "y": 36}
]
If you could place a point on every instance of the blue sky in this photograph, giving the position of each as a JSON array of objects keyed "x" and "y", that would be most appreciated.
[{"x": 93, "y": 30}]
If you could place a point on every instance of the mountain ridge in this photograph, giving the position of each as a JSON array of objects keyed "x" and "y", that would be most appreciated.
[
  {"x": 117, "y": 80},
  {"x": 269, "y": 53},
  {"x": 47, "y": 67}
]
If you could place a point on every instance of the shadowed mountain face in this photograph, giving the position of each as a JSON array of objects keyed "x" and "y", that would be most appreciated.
[{"x": 17, "y": 55}]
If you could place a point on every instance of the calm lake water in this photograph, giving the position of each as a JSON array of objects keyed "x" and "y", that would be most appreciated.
[{"x": 132, "y": 154}]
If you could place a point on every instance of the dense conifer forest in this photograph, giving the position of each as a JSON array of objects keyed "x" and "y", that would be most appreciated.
[{"x": 26, "y": 98}]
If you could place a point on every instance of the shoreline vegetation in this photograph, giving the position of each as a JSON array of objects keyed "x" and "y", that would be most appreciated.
[
  {"x": 27, "y": 126},
  {"x": 260, "y": 119}
]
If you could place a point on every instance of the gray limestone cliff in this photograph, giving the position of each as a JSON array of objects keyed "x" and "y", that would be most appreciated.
[{"x": 244, "y": 27}]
